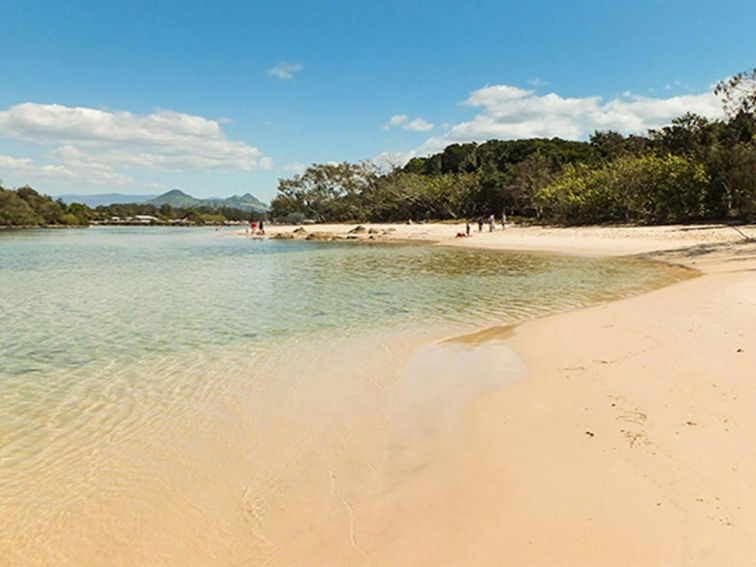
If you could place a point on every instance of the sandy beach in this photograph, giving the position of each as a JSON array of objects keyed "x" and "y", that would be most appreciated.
[
  {"x": 630, "y": 442},
  {"x": 585, "y": 241}
]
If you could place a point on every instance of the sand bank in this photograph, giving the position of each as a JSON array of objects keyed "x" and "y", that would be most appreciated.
[
  {"x": 588, "y": 241},
  {"x": 632, "y": 440}
]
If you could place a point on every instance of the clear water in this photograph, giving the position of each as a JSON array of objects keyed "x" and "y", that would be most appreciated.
[
  {"x": 116, "y": 343},
  {"x": 81, "y": 297}
]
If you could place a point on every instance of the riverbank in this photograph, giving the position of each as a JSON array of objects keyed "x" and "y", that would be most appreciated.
[{"x": 630, "y": 442}]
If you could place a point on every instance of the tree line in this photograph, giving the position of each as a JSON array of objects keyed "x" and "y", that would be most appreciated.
[
  {"x": 695, "y": 169},
  {"x": 28, "y": 208}
]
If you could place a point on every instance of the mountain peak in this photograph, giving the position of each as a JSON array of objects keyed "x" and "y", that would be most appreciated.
[
  {"x": 175, "y": 193},
  {"x": 179, "y": 199}
]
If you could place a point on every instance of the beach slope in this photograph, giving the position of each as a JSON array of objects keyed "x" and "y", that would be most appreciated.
[{"x": 632, "y": 442}]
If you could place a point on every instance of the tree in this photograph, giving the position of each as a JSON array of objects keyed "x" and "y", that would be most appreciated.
[
  {"x": 527, "y": 178},
  {"x": 50, "y": 211},
  {"x": 608, "y": 143},
  {"x": 15, "y": 211},
  {"x": 689, "y": 134},
  {"x": 735, "y": 172},
  {"x": 738, "y": 93},
  {"x": 326, "y": 192},
  {"x": 650, "y": 188}
]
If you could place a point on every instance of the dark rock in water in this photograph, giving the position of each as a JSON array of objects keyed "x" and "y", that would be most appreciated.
[
  {"x": 299, "y": 230},
  {"x": 357, "y": 230},
  {"x": 282, "y": 236}
]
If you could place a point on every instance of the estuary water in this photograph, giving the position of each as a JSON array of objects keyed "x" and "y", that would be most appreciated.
[{"x": 190, "y": 396}]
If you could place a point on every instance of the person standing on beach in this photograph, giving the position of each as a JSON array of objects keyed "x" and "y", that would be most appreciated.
[
  {"x": 480, "y": 224},
  {"x": 491, "y": 222},
  {"x": 504, "y": 219},
  {"x": 467, "y": 228}
]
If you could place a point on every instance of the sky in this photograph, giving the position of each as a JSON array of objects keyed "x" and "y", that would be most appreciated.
[{"x": 221, "y": 98}]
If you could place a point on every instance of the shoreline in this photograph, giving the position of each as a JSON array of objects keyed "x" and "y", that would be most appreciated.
[
  {"x": 641, "y": 415},
  {"x": 595, "y": 241},
  {"x": 630, "y": 439}
]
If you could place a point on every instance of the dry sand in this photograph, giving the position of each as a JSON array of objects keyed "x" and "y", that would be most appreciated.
[
  {"x": 631, "y": 442},
  {"x": 584, "y": 241}
]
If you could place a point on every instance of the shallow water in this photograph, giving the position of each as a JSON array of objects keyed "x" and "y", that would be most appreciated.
[{"x": 162, "y": 390}]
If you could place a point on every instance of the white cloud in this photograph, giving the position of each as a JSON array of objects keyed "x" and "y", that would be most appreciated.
[
  {"x": 285, "y": 71},
  {"x": 509, "y": 112},
  {"x": 94, "y": 174},
  {"x": 294, "y": 167},
  {"x": 390, "y": 160},
  {"x": 418, "y": 125},
  {"x": 92, "y": 145},
  {"x": 415, "y": 125},
  {"x": 9, "y": 162},
  {"x": 395, "y": 120}
]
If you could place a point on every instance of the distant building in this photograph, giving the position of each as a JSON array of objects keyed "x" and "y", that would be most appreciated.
[{"x": 145, "y": 219}]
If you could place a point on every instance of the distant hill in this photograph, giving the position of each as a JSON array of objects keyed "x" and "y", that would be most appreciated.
[
  {"x": 244, "y": 202},
  {"x": 174, "y": 197},
  {"x": 104, "y": 199},
  {"x": 177, "y": 198}
]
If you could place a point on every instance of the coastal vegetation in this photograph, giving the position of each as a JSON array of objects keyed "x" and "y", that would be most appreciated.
[
  {"x": 25, "y": 207},
  {"x": 695, "y": 169}
]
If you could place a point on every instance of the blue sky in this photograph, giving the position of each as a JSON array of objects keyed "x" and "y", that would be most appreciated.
[{"x": 219, "y": 98}]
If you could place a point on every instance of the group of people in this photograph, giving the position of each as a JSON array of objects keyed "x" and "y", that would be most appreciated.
[
  {"x": 491, "y": 223},
  {"x": 256, "y": 228}
]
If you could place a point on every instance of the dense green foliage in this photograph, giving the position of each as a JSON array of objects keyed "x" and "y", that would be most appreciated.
[
  {"x": 647, "y": 188},
  {"x": 694, "y": 169},
  {"x": 26, "y": 207}
]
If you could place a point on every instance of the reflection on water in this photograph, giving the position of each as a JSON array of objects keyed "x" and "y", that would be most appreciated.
[{"x": 165, "y": 377}]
